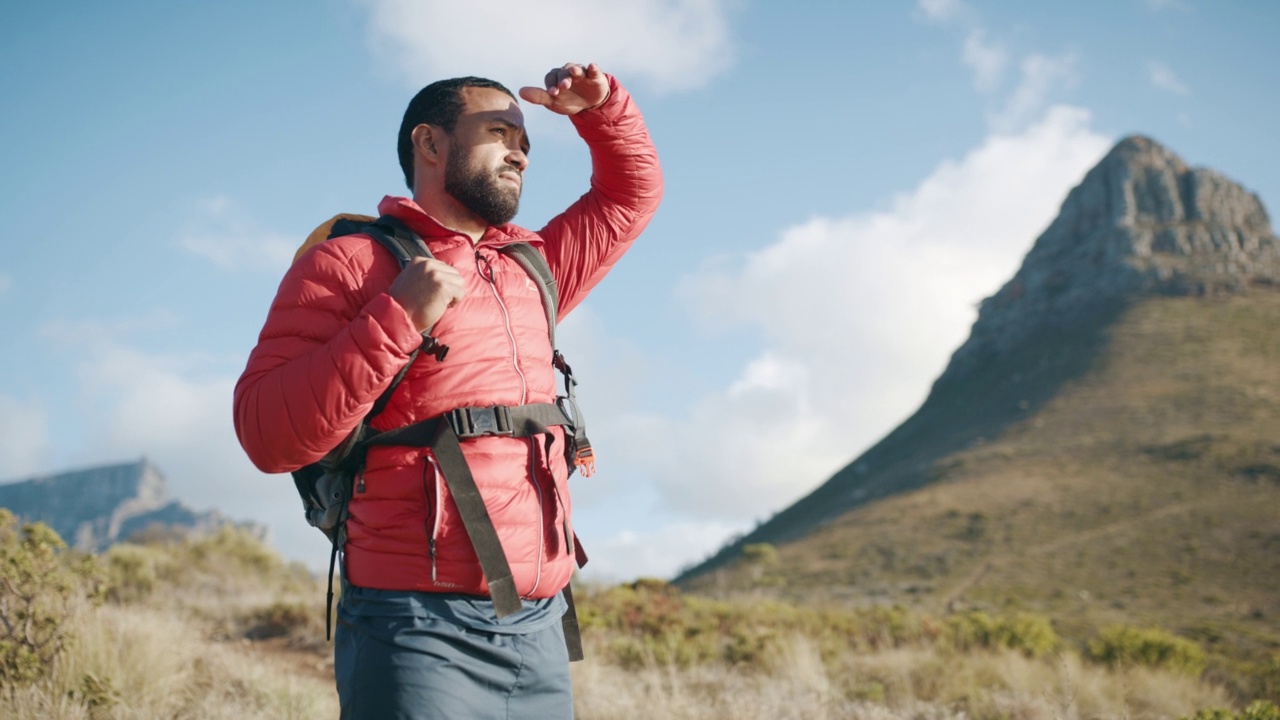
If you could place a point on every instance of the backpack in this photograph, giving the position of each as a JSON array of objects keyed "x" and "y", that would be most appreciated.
[{"x": 326, "y": 486}]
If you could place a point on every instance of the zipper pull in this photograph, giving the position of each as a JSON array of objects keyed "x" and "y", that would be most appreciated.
[
  {"x": 486, "y": 271},
  {"x": 432, "y": 544},
  {"x": 360, "y": 481}
]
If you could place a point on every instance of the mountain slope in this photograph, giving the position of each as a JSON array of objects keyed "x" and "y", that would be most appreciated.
[{"x": 1105, "y": 446}]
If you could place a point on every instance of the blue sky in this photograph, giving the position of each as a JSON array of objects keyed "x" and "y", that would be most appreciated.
[{"x": 845, "y": 181}]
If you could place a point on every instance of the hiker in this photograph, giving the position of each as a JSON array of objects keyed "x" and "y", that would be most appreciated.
[{"x": 419, "y": 632}]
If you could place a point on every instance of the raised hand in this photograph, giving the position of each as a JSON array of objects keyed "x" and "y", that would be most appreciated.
[
  {"x": 425, "y": 288},
  {"x": 570, "y": 89}
]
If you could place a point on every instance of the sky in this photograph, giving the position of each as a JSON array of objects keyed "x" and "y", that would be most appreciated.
[{"x": 845, "y": 182}]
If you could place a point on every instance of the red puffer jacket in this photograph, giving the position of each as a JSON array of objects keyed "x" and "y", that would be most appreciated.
[{"x": 334, "y": 339}]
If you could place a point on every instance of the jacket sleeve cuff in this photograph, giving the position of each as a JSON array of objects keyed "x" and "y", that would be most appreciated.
[
  {"x": 395, "y": 322},
  {"x": 608, "y": 112}
]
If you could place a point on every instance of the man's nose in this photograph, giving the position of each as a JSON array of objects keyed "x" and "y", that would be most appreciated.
[{"x": 517, "y": 158}]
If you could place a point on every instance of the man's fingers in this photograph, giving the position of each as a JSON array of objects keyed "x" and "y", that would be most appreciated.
[
  {"x": 562, "y": 78},
  {"x": 569, "y": 89},
  {"x": 537, "y": 96}
]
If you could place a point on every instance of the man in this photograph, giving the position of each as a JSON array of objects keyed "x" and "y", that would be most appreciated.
[{"x": 417, "y": 634}]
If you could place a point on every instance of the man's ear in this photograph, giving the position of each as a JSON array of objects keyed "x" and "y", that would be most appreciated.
[{"x": 424, "y": 142}]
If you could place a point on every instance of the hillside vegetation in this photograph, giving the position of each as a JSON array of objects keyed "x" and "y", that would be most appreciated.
[
  {"x": 219, "y": 627},
  {"x": 1123, "y": 473}
]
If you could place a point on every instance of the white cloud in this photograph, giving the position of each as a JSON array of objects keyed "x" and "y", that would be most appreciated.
[
  {"x": 176, "y": 410},
  {"x": 24, "y": 437},
  {"x": 1042, "y": 76},
  {"x": 224, "y": 235},
  {"x": 670, "y": 44},
  {"x": 857, "y": 316},
  {"x": 988, "y": 60},
  {"x": 1164, "y": 78},
  {"x": 660, "y": 553},
  {"x": 940, "y": 10}
]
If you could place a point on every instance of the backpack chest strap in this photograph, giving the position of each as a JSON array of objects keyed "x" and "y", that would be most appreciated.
[{"x": 473, "y": 422}]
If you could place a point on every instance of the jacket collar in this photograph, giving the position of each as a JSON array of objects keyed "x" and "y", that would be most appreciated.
[{"x": 429, "y": 228}]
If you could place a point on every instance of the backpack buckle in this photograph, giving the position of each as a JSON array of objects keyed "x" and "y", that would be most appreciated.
[{"x": 473, "y": 422}]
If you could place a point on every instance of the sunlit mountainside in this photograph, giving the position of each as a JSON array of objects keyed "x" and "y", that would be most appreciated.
[{"x": 1105, "y": 448}]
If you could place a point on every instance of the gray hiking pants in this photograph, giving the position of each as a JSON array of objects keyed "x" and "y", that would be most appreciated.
[{"x": 420, "y": 668}]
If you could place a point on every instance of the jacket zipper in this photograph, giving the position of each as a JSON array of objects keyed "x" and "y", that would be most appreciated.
[
  {"x": 431, "y": 522},
  {"x": 537, "y": 485},
  {"x": 506, "y": 321},
  {"x": 486, "y": 272}
]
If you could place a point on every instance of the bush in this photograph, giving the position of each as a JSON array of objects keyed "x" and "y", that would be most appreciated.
[
  {"x": 135, "y": 571},
  {"x": 1152, "y": 647},
  {"x": 232, "y": 549},
  {"x": 1266, "y": 680},
  {"x": 281, "y": 619},
  {"x": 39, "y": 585},
  {"x": 1031, "y": 635},
  {"x": 229, "y": 561},
  {"x": 762, "y": 553},
  {"x": 1259, "y": 710}
]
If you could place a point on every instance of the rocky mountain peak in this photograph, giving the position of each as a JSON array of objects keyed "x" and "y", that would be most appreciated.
[
  {"x": 1140, "y": 223},
  {"x": 94, "y": 507}
]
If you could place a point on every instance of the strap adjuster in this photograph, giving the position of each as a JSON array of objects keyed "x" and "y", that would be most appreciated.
[
  {"x": 472, "y": 422},
  {"x": 584, "y": 458}
]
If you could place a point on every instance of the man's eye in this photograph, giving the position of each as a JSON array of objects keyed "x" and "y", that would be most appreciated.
[{"x": 500, "y": 130}]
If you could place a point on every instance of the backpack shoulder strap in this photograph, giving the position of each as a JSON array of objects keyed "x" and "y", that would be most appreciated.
[
  {"x": 534, "y": 263},
  {"x": 390, "y": 233}
]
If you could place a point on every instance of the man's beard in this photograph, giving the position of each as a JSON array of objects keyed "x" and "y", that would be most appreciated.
[{"x": 480, "y": 191}]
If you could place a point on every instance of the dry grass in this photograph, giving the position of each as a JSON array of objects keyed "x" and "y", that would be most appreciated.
[
  {"x": 903, "y": 683},
  {"x": 173, "y": 640},
  {"x": 179, "y": 647},
  {"x": 132, "y": 663}
]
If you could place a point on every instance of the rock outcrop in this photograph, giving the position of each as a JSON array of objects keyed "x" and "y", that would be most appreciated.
[
  {"x": 95, "y": 507},
  {"x": 1140, "y": 223}
]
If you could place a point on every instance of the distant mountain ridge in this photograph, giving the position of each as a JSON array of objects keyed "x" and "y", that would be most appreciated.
[
  {"x": 1140, "y": 226},
  {"x": 92, "y": 508}
]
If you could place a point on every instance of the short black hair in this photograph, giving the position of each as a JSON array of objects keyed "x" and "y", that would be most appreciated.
[{"x": 439, "y": 103}]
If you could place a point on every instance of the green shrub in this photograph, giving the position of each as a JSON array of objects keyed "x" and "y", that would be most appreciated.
[
  {"x": 239, "y": 549},
  {"x": 98, "y": 694},
  {"x": 1266, "y": 680},
  {"x": 762, "y": 553},
  {"x": 280, "y": 619},
  {"x": 651, "y": 622},
  {"x": 1258, "y": 710},
  {"x": 1152, "y": 647},
  {"x": 40, "y": 583},
  {"x": 1031, "y": 635},
  {"x": 135, "y": 571},
  {"x": 227, "y": 561}
]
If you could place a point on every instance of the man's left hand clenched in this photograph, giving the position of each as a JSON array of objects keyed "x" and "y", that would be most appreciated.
[{"x": 570, "y": 89}]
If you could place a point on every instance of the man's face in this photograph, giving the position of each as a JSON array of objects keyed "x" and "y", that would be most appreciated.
[{"x": 487, "y": 155}]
